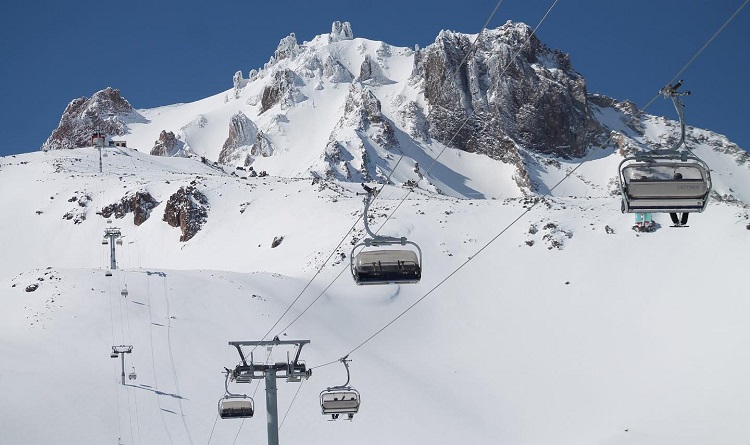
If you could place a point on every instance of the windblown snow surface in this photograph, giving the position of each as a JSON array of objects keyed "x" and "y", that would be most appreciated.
[
  {"x": 551, "y": 324},
  {"x": 558, "y": 325}
]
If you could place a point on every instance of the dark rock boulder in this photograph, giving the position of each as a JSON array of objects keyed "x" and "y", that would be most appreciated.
[
  {"x": 140, "y": 203},
  {"x": 167, "y": 145},
  {"x": 187, "y": 209}
]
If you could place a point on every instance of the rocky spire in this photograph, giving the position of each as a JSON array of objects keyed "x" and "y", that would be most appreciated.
[{"x": 340, "y": 31}]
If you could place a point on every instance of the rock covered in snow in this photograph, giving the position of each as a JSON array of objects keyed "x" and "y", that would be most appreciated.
[
  {"x": 282, "y": 90},
  {"x": 187, "y": 209},
  {"x": 139, "y": 203},
  {"x": 511, "y": 90},
  {"x": 106, "y": 111},
  {"x": 167, "y": 145},
  {"x": 243, "y": 133},
  {"x": 340, "y": 31}
]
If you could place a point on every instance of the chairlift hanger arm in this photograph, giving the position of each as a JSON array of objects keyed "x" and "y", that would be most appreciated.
[{"x": 376, "y": 239}]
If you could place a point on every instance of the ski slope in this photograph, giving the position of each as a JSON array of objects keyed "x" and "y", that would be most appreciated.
[{"x": 555, "y": 332}]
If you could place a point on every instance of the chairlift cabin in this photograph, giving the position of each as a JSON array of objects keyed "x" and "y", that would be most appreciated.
[
  {"x": 664, "y": 184},
  {"x": 342, "y": 399},
  {"x": 377, "y": 264},
  {"x": 236, "y": 407},
  {"x": 665, "y": 181},
  {"x": 386, "y": 267},
  {"x": 339, "y": 400},
  {"x": 124, "y": 292}
]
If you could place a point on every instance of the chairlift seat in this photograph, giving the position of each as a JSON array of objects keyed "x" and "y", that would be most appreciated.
[
  {"x": 235, "y": 408},
  {"x": 664, "y": 186},
  {"x": 340, "y": 401},
  {"x": 105, "y": 242},
  {"x": 108, "y": 273},
  {"x": 387, "y": 267},
  {"x": 132, "y": 376}
]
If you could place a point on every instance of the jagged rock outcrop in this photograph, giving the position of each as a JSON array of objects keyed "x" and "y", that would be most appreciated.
[
  {"x": 352, "y": 144},
  {"x": 512, "y": 90},
  {"x": 340, "y": 31},
  {"x": 283, "y": 90},
  {"x": 106, "y": 110},
  {"x": 187, "y": 209},
  {"x": 238, "y": 83},
  {"x": 167, "y": 145},
  {"x": 370, "y": 71},
  {"x": 139, "y": 203},
  {"x": 335, "y": 71},
  {"x": 287, "y": 48},
  {"x": 363, "y": 112},
  {"x": 243, "y": 135}
]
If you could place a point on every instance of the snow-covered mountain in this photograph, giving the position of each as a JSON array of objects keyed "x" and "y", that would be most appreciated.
[
  {"x": 348, "y": 108},
  {"x": 566, "y": 328}
]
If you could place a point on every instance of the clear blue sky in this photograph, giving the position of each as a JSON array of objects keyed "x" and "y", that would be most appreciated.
[{"x": 165, "y": 52}]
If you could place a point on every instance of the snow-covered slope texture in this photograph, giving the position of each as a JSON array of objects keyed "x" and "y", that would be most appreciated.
[{"x": 569, "y": 328}]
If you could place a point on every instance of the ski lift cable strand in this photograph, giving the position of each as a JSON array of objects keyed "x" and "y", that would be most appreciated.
[
  {"x": 529, "y": 209},
  {"x": 463, "y": 123},
  {"x": 387, "y": 181}
]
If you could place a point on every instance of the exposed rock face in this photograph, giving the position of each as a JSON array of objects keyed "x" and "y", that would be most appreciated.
[
  {"x": 187, "y": 209},
  {"x": 167, "y": 145},
  {"x": 283, "y": 90},
  {"x": 243, "y": 134},
  {"x": 370, "y": 71},
  {"x": 361, "y": 128},
  {"x": 336, "y": 72},
  {"x": 340, "y": 31},
  {"x": 238, "y": 83},
  {"x": 106, "y": 110},
  {"x": 288, "y": 48},
  {"x": 534, "y": 99},
  {"x": 140, "y": 203}
]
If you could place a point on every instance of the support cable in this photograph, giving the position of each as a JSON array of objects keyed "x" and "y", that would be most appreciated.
[
  {"x": 531, "y": 207},
  {"x": 386, "y": 182},
  {"x": 434, "y": 161}
]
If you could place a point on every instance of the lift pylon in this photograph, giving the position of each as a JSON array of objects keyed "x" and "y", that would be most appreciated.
[
  {"x": 112, "y": 234},
  {"x": 293, "y": 370},
  {"x": 120, "y": 351}
]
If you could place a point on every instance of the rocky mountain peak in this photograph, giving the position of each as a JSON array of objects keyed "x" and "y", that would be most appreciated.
[
  {"x": 534, "y": 99},
  {"x": 106, "y": 110},
  {"x": 340, "y": 31}
]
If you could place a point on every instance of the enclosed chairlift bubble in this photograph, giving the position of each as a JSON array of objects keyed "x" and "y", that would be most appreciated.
[
  {"x": 665, "y": 181},
  {"x": 384, "y": 266},
  {"x": 337, "y": 400}
]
